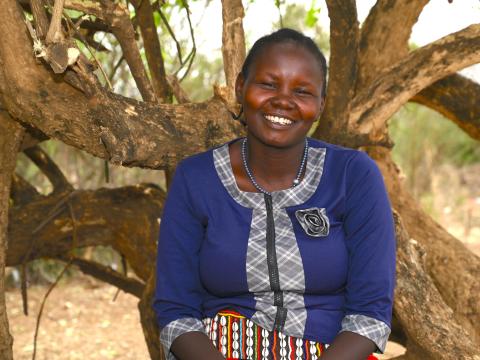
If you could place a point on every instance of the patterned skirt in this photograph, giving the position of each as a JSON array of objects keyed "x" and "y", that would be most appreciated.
[{"x": 237, "y": 337}]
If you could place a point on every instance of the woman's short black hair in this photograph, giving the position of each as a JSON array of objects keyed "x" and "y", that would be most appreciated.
[{"x": 282, "y": 36}]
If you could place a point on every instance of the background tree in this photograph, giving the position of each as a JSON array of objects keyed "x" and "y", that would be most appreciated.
[{"x": 54, "y": 84}]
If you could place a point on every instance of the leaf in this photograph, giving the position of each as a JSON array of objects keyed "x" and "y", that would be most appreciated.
[{"x": 312, "y": 15}]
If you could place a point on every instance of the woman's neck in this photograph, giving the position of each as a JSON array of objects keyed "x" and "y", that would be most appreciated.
[{"x": 274, "y": 168}]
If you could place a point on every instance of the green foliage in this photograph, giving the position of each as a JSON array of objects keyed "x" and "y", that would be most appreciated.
[
  {"x": 312, "y": 15},
  {"x": 425, "y": 140}
]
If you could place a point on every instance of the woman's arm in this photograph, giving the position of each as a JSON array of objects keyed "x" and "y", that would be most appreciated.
[
  {"x": 195, "y": 345},
  {"x": 179, "y": 294},
  {"x": 349, "y": 346},
  {"x": 370, "y": 241}
]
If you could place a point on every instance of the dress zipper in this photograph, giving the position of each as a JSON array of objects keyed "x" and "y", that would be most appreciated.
[{"x": 273, "y": 274}]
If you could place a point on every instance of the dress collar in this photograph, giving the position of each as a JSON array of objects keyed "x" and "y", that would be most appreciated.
[{"x": 280, "y": 199}]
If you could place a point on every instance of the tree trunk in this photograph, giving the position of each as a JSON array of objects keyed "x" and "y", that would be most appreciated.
[
  {"x": 454, "y": 269},
  {"x": 11, "y": 134}
]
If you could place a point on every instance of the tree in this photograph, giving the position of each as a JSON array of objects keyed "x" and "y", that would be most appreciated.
[{"x": 55, "y": 93}]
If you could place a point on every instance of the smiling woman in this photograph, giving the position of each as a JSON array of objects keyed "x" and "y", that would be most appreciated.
[{"x": 276, "y": 246}]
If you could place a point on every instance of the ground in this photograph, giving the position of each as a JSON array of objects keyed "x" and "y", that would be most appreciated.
[{"x": 81, "y": 321}]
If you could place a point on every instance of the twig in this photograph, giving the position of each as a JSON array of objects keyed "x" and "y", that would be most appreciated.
[
  {"x": 192, "y": 53},
  {"x": 82, "y": 38},
  {"x": 172, "y": 34},
  {"x": 39, "y": 316},
  {"x": 115, "y": 68}
]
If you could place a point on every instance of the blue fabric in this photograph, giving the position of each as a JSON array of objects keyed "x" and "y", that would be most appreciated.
[{"x": 203, "y": 242}]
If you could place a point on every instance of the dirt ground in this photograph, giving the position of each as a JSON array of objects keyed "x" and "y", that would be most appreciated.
[{"x": 80, "y": 321}]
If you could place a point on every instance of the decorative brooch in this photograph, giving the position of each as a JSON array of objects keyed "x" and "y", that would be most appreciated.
[{"x": 314, "y": 221}]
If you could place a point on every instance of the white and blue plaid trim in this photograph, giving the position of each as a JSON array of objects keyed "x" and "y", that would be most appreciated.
[
  {"x": 176, "y": 328},
  {"x": 371, "y": 328}
]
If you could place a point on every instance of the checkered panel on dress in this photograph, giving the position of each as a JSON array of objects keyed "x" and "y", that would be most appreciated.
[
  {"x": 176, "y": 328},
  {"x": 257, "y": 266},
  {"x": 309, "y": 184},
  {"x": 374, "y": 329},
  {"x": 223, "y": 166},
  {"x": 296, "y": 314}
]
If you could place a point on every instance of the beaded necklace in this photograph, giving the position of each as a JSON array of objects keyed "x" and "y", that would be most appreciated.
[{"x": 296, "y": 181}]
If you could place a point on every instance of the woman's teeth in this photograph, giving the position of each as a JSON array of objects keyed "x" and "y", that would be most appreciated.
[{"x": 278, "y": 120}]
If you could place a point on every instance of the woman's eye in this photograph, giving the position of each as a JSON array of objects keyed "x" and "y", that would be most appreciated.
[
  {"x": 267, "y": 85},
  {"x": 303, "y": 92}
]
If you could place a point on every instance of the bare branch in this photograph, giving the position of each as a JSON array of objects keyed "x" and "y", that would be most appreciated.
[
  {"x": 106, "y": 125},
  {"x": 55, "y": 33},
  {"x": 178, "y": 92},
  {"x": 233, "y": 43},
  {"x": 384, "y": 37},
  {"x": 106, "y": 274},
  {"x": 172, "y": 33},
  {"x": 191, "y": 55},
  {"x": 119, "y": 20},
  {"x": 458, "y": 99},
  {"x": 153, "y": 51},
  {"x": 41, "y": 20},
  {"x": 373, "y": 106},
  {"x": 344, "y": 35},
  {"x": 22, "y": 192},
  {"x": 49, "y": 168}
]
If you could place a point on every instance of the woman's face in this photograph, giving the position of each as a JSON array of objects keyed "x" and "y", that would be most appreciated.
[{"x": 282, "y": 94}]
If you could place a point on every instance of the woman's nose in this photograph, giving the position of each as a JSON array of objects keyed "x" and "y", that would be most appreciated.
[{"x": 283, "y": 100}]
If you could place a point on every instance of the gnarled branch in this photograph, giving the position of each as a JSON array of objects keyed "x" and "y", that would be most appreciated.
[
  {"x": 49, "y": 169},
  {"x": 233, "y": 40},
  {"x": 122, "y": 130},
  {"x": 153, "y": 51},
  {"x": 384, "y": 37},
  {"x": 373, "y": 106},
  {"x": 344, "y": 37},
  {"x": 458, "y": 99}
]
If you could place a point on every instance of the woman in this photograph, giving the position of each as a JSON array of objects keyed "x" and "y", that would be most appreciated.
[{"x": 275, "y": 245}]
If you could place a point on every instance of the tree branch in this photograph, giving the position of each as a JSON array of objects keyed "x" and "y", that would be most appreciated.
[
  {"x": 458, "y": 99},
  {"x": 22, "y": 192},
  {"x": 55, "y": 33},
  {"x": 40, "y": 16},
  {"x": 106, "y": 274},
  {"x": 384, "y": 37},
  {"x": 344, "y": 37},
  {"x": 104, "y": 217},
  {"x": 118, "y": 18},
  {"x": 153, "y": 51},
  {"x": 233, "y": 44},
  {"x": 48, "y": 167},
  {"x": 119, "y": 129},
  {"x": 373, "y": 106}
]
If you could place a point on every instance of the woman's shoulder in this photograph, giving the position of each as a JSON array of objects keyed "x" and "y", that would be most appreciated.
[{"x": 338, "y": 155}]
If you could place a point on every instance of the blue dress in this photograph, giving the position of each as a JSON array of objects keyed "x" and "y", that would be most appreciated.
[{"x": 307, "y": 262}]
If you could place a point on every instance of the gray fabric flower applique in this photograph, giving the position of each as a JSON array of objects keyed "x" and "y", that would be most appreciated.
[{"x": 314, "y": 221}]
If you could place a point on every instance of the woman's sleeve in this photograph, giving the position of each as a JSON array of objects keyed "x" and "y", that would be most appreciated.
[
  {"x": 370, "y": 240},
  {"x": 179, "y": 294}
]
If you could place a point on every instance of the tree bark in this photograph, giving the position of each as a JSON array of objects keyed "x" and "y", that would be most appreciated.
[
  {"x": 456, "y": 98},
  {"x": 454, "y": 269},
  {"x": 374, "y": 105},
  {"x": 344, "y": 37},
  {"x": 11, "y": 134},
  {"x": 121, "y": 130},
  {"x": 430, "y": 325},
  {"x": 103, "y": 217},
  {"x": 233, "y": 41}
]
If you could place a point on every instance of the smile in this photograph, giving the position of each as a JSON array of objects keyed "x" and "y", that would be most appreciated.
[{"x": 278, "y": 120}]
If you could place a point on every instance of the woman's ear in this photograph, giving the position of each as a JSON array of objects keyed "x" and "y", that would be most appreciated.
[{"x": 239, "y": 87}]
